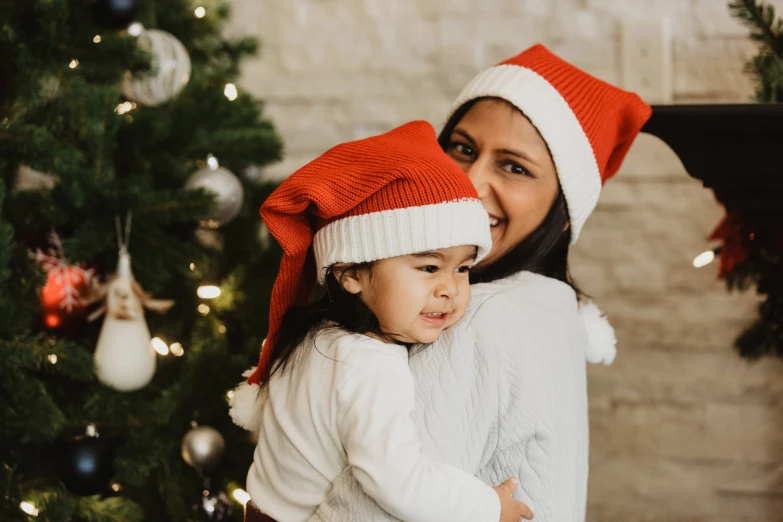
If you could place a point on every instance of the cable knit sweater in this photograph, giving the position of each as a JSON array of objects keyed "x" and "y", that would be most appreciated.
[{"x": 500, "y": 394}]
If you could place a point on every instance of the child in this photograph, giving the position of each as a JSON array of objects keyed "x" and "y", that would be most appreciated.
[{"x": 390, "y": 226}]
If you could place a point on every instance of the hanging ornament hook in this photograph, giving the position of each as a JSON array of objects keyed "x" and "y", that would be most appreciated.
[{"x": 123, "y": 239}]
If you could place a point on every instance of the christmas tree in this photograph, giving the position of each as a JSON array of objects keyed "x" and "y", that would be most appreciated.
[{"x": 127, "y": 158}]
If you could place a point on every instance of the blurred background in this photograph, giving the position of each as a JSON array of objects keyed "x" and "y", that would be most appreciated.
[{"x": 682, "y": 428}]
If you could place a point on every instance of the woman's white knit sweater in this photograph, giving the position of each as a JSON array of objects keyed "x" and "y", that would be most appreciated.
[{"x": 502, "y": 393}]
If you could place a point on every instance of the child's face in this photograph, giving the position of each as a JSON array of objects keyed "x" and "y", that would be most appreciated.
[{"x": 415, "y": 297}]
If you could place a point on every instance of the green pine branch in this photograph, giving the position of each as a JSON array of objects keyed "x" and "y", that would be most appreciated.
[{"x": 766, "y": 68}]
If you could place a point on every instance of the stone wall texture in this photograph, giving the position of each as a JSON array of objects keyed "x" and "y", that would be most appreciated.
[{"x": 681, "y": 428}]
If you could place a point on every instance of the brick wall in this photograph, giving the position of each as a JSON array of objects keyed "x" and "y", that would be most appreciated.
[{"x": 681, "y": 428}]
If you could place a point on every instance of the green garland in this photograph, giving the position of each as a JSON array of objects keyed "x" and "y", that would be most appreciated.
[{"x": 752, "y": 249}]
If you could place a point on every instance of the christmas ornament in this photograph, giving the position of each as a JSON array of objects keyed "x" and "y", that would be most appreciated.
[
  {"x": 202, "y": 447},
  {"x": 170, "y": 70},
  {"x": 124, "y": 357},
  {"x": 226, "y": 188},
  {"x": 34, "y": 180},
  {"x": 61, "y": 296},
  {"x": 213, "y": 504},
  {"x": 85, "y": 464},
  {"x": 116, "y": 14}
]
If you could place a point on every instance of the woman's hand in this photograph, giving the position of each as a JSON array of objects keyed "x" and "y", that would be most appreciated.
[{"x": 511, "y": 510}]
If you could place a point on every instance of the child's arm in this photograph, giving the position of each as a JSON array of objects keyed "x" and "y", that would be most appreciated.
[{"x": 375, "y": 403}]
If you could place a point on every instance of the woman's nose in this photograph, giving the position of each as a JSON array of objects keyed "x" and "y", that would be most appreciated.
[{"x": 478, "y": 175}]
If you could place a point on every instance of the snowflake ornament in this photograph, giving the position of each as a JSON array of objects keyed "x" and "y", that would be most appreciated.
[{"x": 65, "y": 283}]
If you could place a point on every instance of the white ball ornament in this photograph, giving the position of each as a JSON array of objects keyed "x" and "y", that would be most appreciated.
[
  {"x": 226, "y": 188},
  {"x": 170, "y": 69}
]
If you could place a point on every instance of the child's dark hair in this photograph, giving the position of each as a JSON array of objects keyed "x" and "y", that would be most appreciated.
[{"x": 335, "y": 308}]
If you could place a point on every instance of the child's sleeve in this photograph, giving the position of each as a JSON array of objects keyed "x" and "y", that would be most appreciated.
[{"x": 375, "y": 402}]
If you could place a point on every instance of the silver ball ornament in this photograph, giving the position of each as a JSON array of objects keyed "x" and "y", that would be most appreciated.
[
  {"x": 226, "y": 188},
  {"x": 170, "y": 69},
  {"x": 202, "y": 447}
]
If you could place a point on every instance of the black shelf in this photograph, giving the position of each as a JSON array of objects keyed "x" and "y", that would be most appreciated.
[{"x": 735, "y": 150}]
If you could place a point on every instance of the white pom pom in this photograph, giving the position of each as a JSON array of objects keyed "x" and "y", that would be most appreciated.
[
  {"x": 601, "y": 341},
  {"x": 246, "y": 405}
]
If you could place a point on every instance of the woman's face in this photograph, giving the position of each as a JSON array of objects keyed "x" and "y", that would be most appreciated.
[{"x": 509, "y": 164}]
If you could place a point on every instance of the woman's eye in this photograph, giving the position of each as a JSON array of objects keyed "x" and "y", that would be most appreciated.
[
  {"x": 462, "y": 149},
  {"x": 430, "y": 269},
  {"x": 516, "y": 168}
]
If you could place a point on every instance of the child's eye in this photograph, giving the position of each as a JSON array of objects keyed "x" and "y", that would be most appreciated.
[
  {"x": 430, "y": 269},
  {"x": 463, "y": 269}
]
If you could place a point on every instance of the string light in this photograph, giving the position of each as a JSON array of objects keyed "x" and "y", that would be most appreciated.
[
  {"x": 200, "y": 12},
  {"x": 52, "y": 358},
  {"x": 208, "y": 291},
  {"x": 115, "y": 486},
  {"x": 177, "y": 350},
  {"x": 203, "y": 309},
  {"x": 31, "y": 509},
  {"x": 135, "y": 29},
  {"x": 160, "y": 346},
  {"x": 241, "y": 496},
  {"x": 97, "y": 38},
  {"x": 230, "y": 91},
  {"x": 124, "y": 107},
  {"x": 706, "y": 257},
  {"x": 222, "y": 328},
  {"x": 192, "y": 267},
  {"x": 74, "y": 64}
]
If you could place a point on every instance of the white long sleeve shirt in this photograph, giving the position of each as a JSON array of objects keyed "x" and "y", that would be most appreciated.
[
  {"x": 347, "y": 404},
  {"x": 502, "y": 393}
]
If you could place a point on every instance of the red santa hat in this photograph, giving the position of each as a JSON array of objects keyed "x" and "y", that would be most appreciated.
[
  {"x": 588, "y": 124},
  {"x": 386, "y": 196}
]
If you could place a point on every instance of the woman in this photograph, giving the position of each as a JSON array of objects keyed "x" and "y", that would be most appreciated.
[{"x": 503, "y": 393}]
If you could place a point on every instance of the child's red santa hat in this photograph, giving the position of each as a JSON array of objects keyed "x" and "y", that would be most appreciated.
[
  {"x": 386, "y": 196},
  {"x": 588, "y": 124}
]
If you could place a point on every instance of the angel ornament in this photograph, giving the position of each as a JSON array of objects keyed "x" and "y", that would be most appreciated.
[{"x": 124, "y": 358}]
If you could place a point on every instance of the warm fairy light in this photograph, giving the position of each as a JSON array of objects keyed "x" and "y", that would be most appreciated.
[
  {"x": 222, "y": 328},
  {"x": 200, "y": 12},
  {"x": 177, "y": 350},
  {"x": 52, "y": 358},
  {"x": 160, "y": 346},
  {"x": 208, "y": 291},
  {"x": 97, "y": 38},
  {"x": 135, "y": 29},
  {"x": 241, "y": 496},
  {"x": 52, "y": 320},
  {"x": 192, "y": 267},
  {"x": 74, "y": 64},
  {"x": 115, "y": 486},
  {"x": 230, "y": 91},
  {"x": 704, "y": 259},
  {"x": 31, "y": 509},
  {"x": 230, "y": 394},
  {"x": 124, "y": 107},
  {"x": 203, "y": 309}
]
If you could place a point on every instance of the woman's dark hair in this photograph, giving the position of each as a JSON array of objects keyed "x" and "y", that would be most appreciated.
[
  {"x": 545, "y": 250},
  {"x": 335, "y": 308}
]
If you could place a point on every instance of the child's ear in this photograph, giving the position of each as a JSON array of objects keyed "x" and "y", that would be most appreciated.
[{"x": 348, "y": 277}]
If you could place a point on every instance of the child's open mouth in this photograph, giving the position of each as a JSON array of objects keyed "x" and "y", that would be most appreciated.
[{"x": 436, "y": 318}]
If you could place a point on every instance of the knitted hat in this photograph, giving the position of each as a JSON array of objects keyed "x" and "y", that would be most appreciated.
[
  {"x": 588, "y": 124},
  {"x": 386, "y": 196}
]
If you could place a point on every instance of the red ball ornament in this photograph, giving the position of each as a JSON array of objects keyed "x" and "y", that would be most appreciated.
[{"x": 61, "y": 296}]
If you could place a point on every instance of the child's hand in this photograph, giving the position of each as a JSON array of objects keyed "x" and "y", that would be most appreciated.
[{"x": 510, "y": 509}]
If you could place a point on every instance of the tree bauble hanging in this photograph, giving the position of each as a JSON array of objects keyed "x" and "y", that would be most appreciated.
[
  {"x": 169, "y": 74},
  {"x": 85, "y": 464},
  {"x": 202, "y": 447},
  {"x": 61, "y": 296},
  {"x": 226, "y": 188},
  {"x": 115, "y": 14},
  {"x": 124, "y": 357}
]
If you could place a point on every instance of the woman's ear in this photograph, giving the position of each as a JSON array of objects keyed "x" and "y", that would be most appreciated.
[{"x": 348, "y": 277}]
